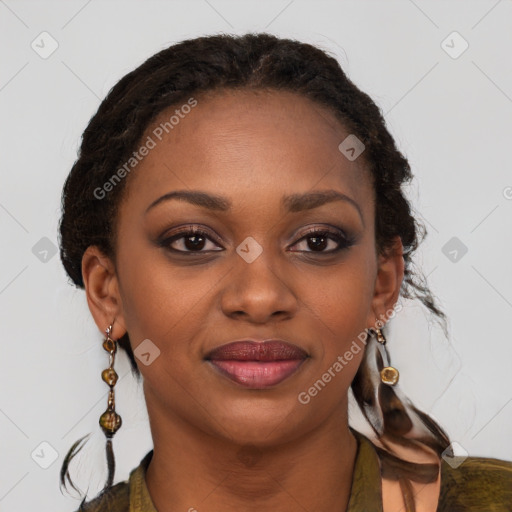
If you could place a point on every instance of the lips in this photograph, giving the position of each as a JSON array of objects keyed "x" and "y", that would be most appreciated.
[
  {"x": 269, "y": 350},
  {"x": 257, "y": 364}
]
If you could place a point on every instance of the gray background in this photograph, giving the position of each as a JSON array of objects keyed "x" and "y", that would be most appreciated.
[{"x": 450, "y": 115}]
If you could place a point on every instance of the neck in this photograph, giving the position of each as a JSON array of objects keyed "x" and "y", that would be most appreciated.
[{"x": 191, "y": 469}]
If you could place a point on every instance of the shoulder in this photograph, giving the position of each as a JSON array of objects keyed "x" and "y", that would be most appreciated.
[
  {"x": 476, "y": 483},
  {"x": 117, "y": 499}
]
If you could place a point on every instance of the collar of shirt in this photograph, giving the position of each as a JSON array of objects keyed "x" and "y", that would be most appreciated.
[{"x": 366, "y": 493}]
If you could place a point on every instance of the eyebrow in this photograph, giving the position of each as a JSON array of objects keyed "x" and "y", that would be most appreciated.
[{"x": 292, "y": 203}]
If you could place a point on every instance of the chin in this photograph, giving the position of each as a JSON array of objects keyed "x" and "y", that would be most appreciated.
[{"x": 258, "y": 421}]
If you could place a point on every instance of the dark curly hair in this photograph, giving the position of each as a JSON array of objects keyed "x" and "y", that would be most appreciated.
[{"x": 255, "y": 61}]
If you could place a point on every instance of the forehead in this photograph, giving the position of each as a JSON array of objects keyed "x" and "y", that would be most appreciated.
[{"x": 269, "y": 142}]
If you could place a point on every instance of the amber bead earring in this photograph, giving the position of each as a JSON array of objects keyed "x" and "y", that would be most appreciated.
[
  {"x": 388, "y": 375},
  {"x": 110, "y": 421}
]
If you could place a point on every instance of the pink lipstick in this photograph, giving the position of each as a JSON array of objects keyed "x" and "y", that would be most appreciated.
[{"x": 258, "y": 364}]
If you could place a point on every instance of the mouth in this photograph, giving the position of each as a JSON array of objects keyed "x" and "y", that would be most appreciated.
[{"x": 257, "y": 365}]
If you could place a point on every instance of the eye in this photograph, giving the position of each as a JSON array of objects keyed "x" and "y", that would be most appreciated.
[
  {"x": 319, "y": 239},
  {"x": 190, "y": 240},
  {"x": 195, "y": 240}
]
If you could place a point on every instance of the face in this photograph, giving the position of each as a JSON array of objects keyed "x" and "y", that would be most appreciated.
[{"x": 286, "y": 250}]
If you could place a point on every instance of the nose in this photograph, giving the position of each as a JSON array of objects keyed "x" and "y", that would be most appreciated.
[{"x": 258, "y": 292}]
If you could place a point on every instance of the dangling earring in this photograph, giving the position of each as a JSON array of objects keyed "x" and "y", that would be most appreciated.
[
  {"x": 388, "y": 375},
  {"x": 110, "y": 421}
]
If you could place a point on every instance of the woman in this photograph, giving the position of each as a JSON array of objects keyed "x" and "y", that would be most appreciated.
[{"x": 237, "y": 219}]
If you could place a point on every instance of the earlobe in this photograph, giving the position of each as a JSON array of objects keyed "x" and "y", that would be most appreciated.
[
  {"x": 102, "y": 291},
  {"x": 390, "y": 274}
]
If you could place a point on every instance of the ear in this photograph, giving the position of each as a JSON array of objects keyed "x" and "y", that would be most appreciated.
[
  {"x": 390, "y": 274},
  {"x": 102, "y": 291}
]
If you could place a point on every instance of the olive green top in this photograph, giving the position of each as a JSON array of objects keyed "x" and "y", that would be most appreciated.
[{"x": 478, "y": 485}]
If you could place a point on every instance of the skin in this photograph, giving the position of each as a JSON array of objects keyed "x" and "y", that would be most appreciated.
[{"x": 217, "y": 445}]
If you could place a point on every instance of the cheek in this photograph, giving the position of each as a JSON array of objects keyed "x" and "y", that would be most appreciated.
[
  {"x": 341, "y": 307},
  {"x": 343, "y": 299},
  {"x": 164, "y": 302}
]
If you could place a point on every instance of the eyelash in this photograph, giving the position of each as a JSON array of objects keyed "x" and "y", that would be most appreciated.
[{"x": 343, "y": 241}]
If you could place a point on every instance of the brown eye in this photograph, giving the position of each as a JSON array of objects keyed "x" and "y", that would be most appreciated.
[
  {"x": 190, "y": 240},
  {"x": 320, "y": 240}
]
